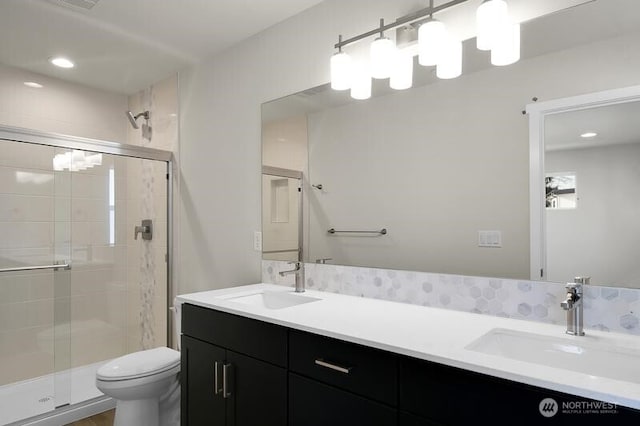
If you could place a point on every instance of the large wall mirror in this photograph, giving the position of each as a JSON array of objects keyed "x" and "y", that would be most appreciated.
[{"x": 444, "y": 167}]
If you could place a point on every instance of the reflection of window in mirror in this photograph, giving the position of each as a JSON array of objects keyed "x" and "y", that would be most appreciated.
[{"x": 560, "y": 189}]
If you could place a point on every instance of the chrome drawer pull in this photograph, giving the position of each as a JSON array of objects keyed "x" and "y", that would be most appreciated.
[
  {"x": 323, "y": 363},
  {"x": 226, "y": 372},
  {"x": 217, "y": 369}
]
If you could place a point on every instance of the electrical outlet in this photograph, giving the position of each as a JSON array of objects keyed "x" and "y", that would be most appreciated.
[{"x": 257, "y": 241}]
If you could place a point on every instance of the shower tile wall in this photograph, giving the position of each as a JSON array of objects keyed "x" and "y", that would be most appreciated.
[{"x": 147, "y": 199}]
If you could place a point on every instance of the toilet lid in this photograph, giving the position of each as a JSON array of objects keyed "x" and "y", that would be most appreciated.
[{"x": 139, "y": 364}]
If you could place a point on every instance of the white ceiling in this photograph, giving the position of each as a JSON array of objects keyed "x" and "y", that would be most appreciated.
[
  {"x": 125, "y": 45},
  {"x": 614, "y": 124}
]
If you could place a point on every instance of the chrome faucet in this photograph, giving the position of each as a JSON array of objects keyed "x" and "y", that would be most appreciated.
[
  {"x": 573, "y": 304},
  {"x": 298, "y": 269}
]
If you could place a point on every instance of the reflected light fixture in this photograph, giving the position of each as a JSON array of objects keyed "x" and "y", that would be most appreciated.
[
  {"x": 588, "y": 135},
  {"x": 76, "y": 160},
  {"x": 360, "y": 82},
  {"x": 402, "y": 71},
  {"x": 33, "y": 84},
  {"x": 506, "y": 49},
  {"x": 491, "y": 17},
  {"x": 431, "y": 39},
  {"x": 450, "y": 63},
  {"x": 382, "y": 53},
  {"x": 62, "y": 62},
  {"x": 340, "y": 70},
  {"x": 435, "y": 46}
]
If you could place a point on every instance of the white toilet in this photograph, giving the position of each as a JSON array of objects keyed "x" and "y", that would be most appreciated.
[{"x": 145, "y": 385}]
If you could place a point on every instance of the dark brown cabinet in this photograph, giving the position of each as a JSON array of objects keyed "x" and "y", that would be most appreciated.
[
  {"x": 242, "y": 372},
  {"x": 223, "y": 387}
]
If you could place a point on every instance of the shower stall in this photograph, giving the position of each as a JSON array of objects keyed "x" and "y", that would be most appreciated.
[{"x": 82, "y": 278}]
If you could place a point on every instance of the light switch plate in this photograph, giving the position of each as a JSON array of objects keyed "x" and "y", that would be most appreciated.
[
  {"x": 257, "y": 241},
  {"x": 491, "y": 239}
]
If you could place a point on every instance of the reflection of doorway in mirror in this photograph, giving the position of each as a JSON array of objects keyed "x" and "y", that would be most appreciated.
[
  {"x": 560, "y": 191},
  {"x": 593, "y": 139}
]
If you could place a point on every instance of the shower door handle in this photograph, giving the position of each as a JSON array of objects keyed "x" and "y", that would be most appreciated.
[{"x": 145, "y": 228}]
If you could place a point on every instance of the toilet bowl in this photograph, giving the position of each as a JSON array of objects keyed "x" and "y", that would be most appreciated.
[{"x": 145, "y": 386}]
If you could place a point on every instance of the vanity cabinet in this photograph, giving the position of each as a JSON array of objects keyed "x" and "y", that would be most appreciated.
[
  {"x": 242, "y": 372},
  {"x": 233, "y": 370}
]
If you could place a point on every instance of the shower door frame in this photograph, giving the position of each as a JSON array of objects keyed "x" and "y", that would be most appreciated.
[{"x": 35, "y": 137}]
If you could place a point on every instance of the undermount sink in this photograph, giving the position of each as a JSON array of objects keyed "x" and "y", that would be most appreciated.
[
  {"x": 271, "y": 299},
  {"x": 574, "y": 354}
]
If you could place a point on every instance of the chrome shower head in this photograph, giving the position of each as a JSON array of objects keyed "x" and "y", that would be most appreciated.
[{"x": 132, "y": 118}]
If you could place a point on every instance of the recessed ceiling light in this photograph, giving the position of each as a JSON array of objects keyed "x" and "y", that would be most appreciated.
[
  {"x": 33, "y": 84},
  {"x": 62, "y": 62},
  {"x": 589, "y": 135}
]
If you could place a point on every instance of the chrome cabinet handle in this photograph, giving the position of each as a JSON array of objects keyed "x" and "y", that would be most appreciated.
[
  {"x": 323, "y": 363},
  {"x": 217, "y": 372},
  {"x": 226, "y": 374}
]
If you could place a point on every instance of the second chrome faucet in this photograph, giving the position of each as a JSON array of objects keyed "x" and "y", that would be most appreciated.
[
  {"x": 298, "y": 270},
  {"x": 574, "y": 306}
]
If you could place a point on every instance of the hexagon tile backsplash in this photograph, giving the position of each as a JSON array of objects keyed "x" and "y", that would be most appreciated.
[{"x": 605, "y": 308}]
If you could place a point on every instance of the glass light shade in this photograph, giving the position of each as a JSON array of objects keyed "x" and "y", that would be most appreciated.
[
  {"x": 450, "y": 65},
  {"x": 431, "y": 36},
  {"x": 490, "y": 17},
  {"x": 402, "y": 71},
  {"x": 361, "y": 83},
  {"x": 382, "y": 51},
  {"x": 340, "y": 71},
  {"x": 506, "y": 49}
]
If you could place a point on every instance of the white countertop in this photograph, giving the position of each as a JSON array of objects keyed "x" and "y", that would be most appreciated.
[{"x": 432, "y": 334}]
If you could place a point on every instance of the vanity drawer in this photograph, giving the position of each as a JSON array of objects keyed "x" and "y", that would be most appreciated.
[
  {"x": 257, "y": 339},
  {"x": 365, "y": 371}
]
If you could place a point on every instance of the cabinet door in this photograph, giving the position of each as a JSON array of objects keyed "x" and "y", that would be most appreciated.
[
  {"x": 258, "y": 392},
  {"x": 199, "y": 404},
  {"x": 313, "y": 403}
]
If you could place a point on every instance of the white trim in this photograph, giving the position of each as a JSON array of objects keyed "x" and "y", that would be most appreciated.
[{"x": 537, "y": 112}]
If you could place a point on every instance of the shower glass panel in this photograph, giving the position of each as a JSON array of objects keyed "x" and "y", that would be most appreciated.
[
  {"x": 280, "y": 218},
  {"x": 58, "y": 326},
  {"x": 29, "y": 298}
]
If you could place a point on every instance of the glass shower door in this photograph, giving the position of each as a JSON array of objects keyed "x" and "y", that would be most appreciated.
[
  {"x": 77, "y": 286},
  {"x": 34, "y": 353}
]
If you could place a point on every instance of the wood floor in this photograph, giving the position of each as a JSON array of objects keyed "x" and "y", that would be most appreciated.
[{"x": 102, "y": 419}]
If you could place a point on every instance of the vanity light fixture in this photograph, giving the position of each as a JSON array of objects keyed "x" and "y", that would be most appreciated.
[
  {"x": 491, "y": 17},
  {"x": 436, "y": 47},
  {"x": 402, "y": 71},
  {"x": 62, "y": 62},
  {"x": 341, "y": 70},
  {"x": 431, "y": 40},
  {"x": 588, "y": 135},
  {"x": 383, "y": 52}
]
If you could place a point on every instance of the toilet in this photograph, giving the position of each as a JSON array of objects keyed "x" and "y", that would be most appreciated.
[{"x": 145, "y": 386}]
